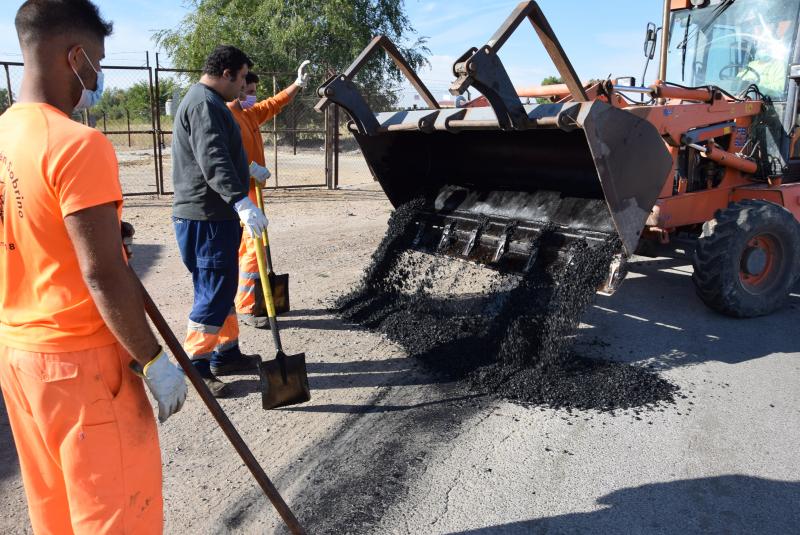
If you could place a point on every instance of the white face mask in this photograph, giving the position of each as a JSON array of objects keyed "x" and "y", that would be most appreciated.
[
  {"x": 248, "y": 102},
  {"x": 89, "y": 98}
]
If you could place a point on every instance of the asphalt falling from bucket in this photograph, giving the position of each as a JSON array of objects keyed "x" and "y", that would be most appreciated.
[{"x": 509, "y": 336}]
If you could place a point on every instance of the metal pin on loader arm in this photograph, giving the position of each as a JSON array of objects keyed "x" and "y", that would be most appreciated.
[
  {"x": 341, "y": 90},
  {"x": 482, "y": 68}
]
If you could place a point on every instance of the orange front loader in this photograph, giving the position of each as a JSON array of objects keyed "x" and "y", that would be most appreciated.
[{"x": 711, "y": 151}]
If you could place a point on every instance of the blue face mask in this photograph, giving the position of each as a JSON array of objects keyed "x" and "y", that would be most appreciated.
[
  {"x": 248, "y": 102},
  {"x": 89, "y": 98}
]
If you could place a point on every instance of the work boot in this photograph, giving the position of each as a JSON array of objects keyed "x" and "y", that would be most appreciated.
[
  {"x": 218, "y": 388},
  {"x": 252, "y": 320},
  {"x": 231, "y": 361},
  {"x": 257, "y": 316}
]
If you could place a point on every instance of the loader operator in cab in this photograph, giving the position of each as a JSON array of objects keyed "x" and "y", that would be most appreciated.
[
  {"x": 769, "y": 65},
  {"x": 250, "y": 114},
  {"x": 71, "y": 310},
  {"x": 733, "y": 45}
]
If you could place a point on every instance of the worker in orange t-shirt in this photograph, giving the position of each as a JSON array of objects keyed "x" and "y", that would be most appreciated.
[
  {"x": 71, "y": 312},
  {"x": 250, "y": 114}
]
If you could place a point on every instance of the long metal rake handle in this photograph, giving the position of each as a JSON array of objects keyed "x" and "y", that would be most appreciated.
[{"x": 219, "y": 415}]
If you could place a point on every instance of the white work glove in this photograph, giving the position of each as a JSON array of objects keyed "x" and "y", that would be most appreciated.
[
  {"x": 259, "y": 173},
  {"x": 167, "y": 384},
  {"x": 302, "y": 77},
  {"x": 252, "y": 217}
]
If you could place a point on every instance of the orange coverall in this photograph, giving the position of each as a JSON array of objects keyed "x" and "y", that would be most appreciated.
[
  {"x": 250, "y": 122},
  {"x": 82, "y": 424}
]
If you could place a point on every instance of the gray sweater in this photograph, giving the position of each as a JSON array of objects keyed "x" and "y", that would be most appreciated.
[{"x": 209, "y": 166}]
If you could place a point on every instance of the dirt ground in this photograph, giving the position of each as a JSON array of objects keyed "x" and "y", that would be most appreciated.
[{"x": 384, "y": 447}]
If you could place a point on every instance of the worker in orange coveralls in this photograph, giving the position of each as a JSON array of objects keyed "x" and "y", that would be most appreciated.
[
  {"x": 71, "y": 311},
  {"x": 250, "y": 114}
]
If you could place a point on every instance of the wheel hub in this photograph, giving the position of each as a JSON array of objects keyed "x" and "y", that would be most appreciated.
[
  {"x": 754, "y": 260},
  {"x": 759, "y": 263}
]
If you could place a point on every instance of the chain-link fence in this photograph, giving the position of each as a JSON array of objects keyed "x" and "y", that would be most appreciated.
[
  {"x": 124, "y": 115},
  {"x": 295, "y": 141},
  {"x": 136, "y": 114},
  {"x": 348, "y": 164}
]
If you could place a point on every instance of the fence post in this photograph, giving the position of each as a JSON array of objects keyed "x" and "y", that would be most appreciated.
[
  {"x": 128, "y": 117},
  {"x": 294, "y": 129},
  {"x": 159, "y": 134},
  {"x": 159, "y": 180},
  {"x": 328, "y": 144},
  {"x": 275, "y": 133},
  {"x": 8, "y": 86},
  {"x": 335, "y": 146},
  {"x": 105, "y": 129}
]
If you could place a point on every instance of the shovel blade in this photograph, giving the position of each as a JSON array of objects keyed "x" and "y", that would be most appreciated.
[
  {"x": 284, "y": 381},
  {"x": 280, "y": 292}
]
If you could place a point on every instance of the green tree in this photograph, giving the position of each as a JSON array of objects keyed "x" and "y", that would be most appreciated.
[
  {"x": 549, "y": 80},
  {"x": 279, "y": 34},
  {"x": 552, "y": 80},
  {"x": 135, "y": 100},
  {"x": 3, "y": 100}
]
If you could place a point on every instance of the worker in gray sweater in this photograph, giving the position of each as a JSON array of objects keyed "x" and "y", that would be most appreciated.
[{"x": 211, "y": 178}]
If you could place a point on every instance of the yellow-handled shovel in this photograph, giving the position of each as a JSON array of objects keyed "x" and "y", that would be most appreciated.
[{"x": 284, "y": 380}]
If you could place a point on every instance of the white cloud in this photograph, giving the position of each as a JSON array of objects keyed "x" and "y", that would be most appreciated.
[{"x": 430, "y": 7}]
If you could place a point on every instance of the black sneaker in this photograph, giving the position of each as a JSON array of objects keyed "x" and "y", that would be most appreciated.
[
  {"x": 236, "y": 364},
  {"x": 218, "y": 388}
]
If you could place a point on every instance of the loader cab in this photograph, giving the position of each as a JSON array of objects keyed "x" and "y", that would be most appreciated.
[
  {"x": 746, "y": 48},
  {"x": 734, "y": 45}
]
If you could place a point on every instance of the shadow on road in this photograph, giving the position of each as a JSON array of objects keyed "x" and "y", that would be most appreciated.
[
  {"x": 356, "y": 374},
  {"x": 340, "y": 408},
  {"x": 656, "y": 317},
  {"x": 725, "y": 504},
  {"x": 145, "y": 256}
]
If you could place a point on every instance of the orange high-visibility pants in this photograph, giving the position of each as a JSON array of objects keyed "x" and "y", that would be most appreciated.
[
  {"x": 203, "y": 340},
  {"x": 248, "y": 277},
  {"x": 86, "y": 439},
  {"x": 247, "y": 295}
]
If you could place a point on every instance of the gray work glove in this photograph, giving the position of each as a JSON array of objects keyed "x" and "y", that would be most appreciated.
[
  {"x": 167, "y": 383},
  {"x": 259, "y": 173}
]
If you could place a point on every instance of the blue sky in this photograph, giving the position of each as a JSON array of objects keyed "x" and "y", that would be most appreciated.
[{"x": 599, "y": 37}]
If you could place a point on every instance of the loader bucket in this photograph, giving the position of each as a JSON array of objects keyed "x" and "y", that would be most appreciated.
[
  {"x": 599, "y": 174},
  {"x": 492, "y": 178}
]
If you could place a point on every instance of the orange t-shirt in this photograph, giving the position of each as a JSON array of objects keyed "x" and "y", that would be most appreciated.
[
  {"x": 50, "y": 167},
  {"x": 250, "y": 122}
]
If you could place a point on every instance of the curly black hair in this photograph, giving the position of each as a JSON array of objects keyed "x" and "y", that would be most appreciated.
[
  {"x": 226, "y": 57},
  {"x": 39, "y": 19}
]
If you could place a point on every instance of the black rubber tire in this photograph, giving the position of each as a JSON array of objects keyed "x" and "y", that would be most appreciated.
[{"x": 718, "y": 258}]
